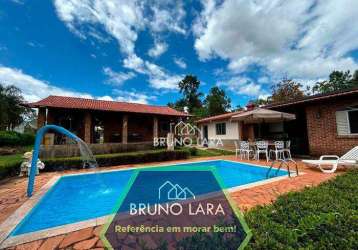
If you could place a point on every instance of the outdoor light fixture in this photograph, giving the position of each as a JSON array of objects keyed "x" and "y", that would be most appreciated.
[{"x": 318, "y": 114}]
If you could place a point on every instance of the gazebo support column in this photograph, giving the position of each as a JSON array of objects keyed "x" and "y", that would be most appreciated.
[
  {"x": 251, "y": 132},
  {"x": 88, "y": 127},
  {"x": 41, "y": 117},
  {"x": 155, "y": 127},
  {"x": 241, "y": 130},
  {"x": 125, "y": 129}
]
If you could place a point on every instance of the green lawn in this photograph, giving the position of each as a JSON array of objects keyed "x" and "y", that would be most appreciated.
[
  {"x": 9, "y": 164},
  {"x": 8, "y": 159},
  {"x": 322, "y": 217},
  {"x": 212, "y": 152}
]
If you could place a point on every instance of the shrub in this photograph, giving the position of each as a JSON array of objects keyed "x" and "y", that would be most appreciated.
[
  {"x": 9, "y": 165},
  {"x": 12, "y": 138},
  {"x": 193, "y": 151},
  {"x": 117, "y": 159},
  {"x": 8, "y": 170},
  {"x": 323, "y": 217}
]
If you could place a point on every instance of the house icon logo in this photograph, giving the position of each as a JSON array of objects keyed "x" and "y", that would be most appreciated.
[
  {"x": 172, "y": 191},
  {"x": 187, "y": 129}
]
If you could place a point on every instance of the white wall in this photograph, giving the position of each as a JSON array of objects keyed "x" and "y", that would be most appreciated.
[{"x": 232, "y": 130}]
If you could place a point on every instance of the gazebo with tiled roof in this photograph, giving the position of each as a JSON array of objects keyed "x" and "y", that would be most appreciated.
[{"x": 106, "y": 121}]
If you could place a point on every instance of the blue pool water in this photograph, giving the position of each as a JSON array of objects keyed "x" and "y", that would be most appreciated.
[{"x": 77, "y": 198}]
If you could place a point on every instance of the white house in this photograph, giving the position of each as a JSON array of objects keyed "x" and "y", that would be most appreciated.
[{"x": 251, "y": 124}]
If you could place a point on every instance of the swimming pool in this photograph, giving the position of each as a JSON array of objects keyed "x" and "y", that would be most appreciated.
[{"x": 76, "y": 198}]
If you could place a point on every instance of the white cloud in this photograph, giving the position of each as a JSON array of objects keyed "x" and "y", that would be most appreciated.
[
  {"x": 264, "y": 96},
  {"x": 165, "y": 82},
  {"x": 35, "y": 44},
  {"x": 243, "y": 86},
  {"x": 123, "y": 20},
  {"x": 119, "y": 18},
  {"x": 132, "y": 96},
  {"x": 159, "y": 78},
  {"x": 117, "y": 78},
  {"x": 301, "y": 39},
  {"x": 158, "y": 49},
  {"x": 106, "y": 98},
  {"x": 166, "y": 16},
  {"x": 34, "y": 89},
  {"x": 134, "y": 62},
  {"x": 263, "y": 79},
  {"x": 180, "y": 62}
]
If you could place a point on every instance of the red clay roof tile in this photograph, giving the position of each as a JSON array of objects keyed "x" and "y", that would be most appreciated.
[
  {"x": 312, "y": 98},
  {"x": 92, "y": 104}
]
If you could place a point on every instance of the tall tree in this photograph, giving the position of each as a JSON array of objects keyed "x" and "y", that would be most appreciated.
[
  {"x": 258, "y": 102},
  {"x": 286, "y": 90},
  {"x": 189, "y": 87},
  {"x": 354, "y": 80},
  {"x": 178, "y": 105},
  {"x": 338, "y": 80},
  {"x": 12, "y": 112},
  {"x": 216, "y": 102}
]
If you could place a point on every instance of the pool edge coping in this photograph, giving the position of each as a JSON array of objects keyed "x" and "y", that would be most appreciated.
[
  {"x": 16, "y": 217},
  {"x": 11, "y": 222}
]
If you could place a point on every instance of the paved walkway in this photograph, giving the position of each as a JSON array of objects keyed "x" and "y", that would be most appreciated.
[{"x": 13, "y": 195}]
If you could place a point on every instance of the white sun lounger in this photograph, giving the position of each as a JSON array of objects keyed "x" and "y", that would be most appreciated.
[{"x": 349, "y": 159}]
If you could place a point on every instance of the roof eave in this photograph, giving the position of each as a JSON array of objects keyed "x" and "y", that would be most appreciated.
[
  {"x": 36, "y": 105},
  {"x": 310, "y": 99}
]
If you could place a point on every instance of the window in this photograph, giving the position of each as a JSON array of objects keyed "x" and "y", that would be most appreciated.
[
  {"x": 221, "y": 128},
  {"x": 353, "y": 121},
  {"x": 347, "y": 122}
]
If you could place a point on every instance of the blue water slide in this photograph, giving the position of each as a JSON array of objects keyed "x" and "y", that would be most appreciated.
[{"x": 40, "y": 134}]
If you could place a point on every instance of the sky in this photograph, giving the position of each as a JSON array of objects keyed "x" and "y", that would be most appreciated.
[{"x": 137, "y": 51}]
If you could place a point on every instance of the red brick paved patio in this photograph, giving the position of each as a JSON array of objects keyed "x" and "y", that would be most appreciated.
[{"x": 13, "y": 195}]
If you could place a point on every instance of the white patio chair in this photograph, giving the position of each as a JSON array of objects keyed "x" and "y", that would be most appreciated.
[
  {"x": 262, "y": 148},
  {"x": 244, "y": 149},
  {"x": 237, "y": 149},
  {"x": 279, "y": 150},
  {"x": 287, "y": 150},
  {"x": 349, "y": 159}
]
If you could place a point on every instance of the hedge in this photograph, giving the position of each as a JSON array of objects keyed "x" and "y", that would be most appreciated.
[
  {"x": 118, "y": 159},
  {"x": 323, "y": 217},
  {"x": 12, "y": 138},
  {"x": 11, "y": 167}
]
